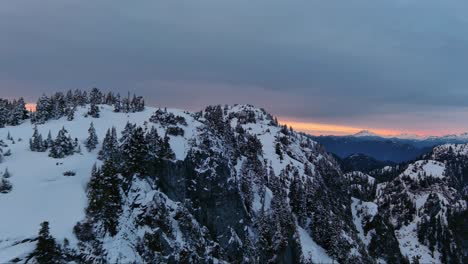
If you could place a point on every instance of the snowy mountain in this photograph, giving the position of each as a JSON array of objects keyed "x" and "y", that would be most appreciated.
[
  {"x": 423, "y": 208},
  {"x": 368, "y": 133},
  {"x": 400, "y": 148},
  {"x": 365, "y": 133},
  {"x": 120, "y": 182},
  {"x": 379, "y": 148},
  {"x": 229, "y": 177}
]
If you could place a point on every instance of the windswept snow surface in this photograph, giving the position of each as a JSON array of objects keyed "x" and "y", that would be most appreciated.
[
  {"x": 41, "y": 192},
  {"x": 311, "y": 250},
  {"x": 456, "y": 149},
  {"x": 425, "y": 168},
  {"x": 360, "y": 210}
]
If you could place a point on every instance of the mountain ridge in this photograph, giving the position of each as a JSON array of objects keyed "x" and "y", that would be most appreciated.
[{"x": 201, "y": 187}]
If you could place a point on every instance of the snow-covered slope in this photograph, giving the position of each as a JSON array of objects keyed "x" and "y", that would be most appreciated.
[
  {"x": 365, "y": 133},
  {"x": 41, "y": 192},
  {"x": 425, "y": 168},
  {"x": 423, "y": 204},
  {"x": 239, "y": 187}
]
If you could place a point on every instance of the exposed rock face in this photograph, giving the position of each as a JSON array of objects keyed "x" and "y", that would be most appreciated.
[
  {"x": 240, "y": 194},
  {"x": 230, "y": 185},
  {"x": 422, "y": 208}
]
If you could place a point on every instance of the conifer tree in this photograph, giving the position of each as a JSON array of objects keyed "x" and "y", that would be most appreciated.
[
  {"x": 117, "y": 104},
  {"x": 126, "y": 104},
  {"x": 5, "y": 185},
  {"x": 47, "y": 251},
  {"x": 137, "y": 104},
  {"x": 62, "y": 146},
  {"x": 36, "y": 143},
  {"x": 154, "y": 142},
  {"x": 110, "y": 146},
  {"x": 105, "y": 201},
  {"x": 95, "y": 96},
  {"x": 94, "y": 111},
  {"x": 134, "y": 152},
  {"x": 278, "y": 150},
  {"x": 126, "y": 132},
  {"x": 76, "y": 145},
  {"x": 6, "y": 174},
  {"x": 58, "y": 105},
  {"x": 70, "y": 112},
  {"x": 214, "y": 116},
  {"x": 69, "y": 99},
  {"x": 85, "y": 97},
  {"x": 165, "y": 150},
  {"x": 92, "y": 140},
  {"x": 2, "y": 145},
  {"x": 18, "y": 113},
  {"x": 4, "y": 113},
  {"x": 43, "y": 109},
  {"x": 79, "y": 98},
  {"x": 110, "y": 99},
  {"x": 49, "y": 141}
]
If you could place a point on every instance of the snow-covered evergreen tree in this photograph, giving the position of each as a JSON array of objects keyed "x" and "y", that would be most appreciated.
[
  {"x": 154, "y": 142},
  {"x": 36, "y": 143},
  {"x": 117, "y": 104},
  {"x": 5, "y": 185},
  {"x": 49, "y": 141},
  {"x": 85, "y": 97},
  {"x": 95, "y": 96},
  {"x": 62, "y": 146},
  {"x": 4, "y": 113},
  {"x": 110, "y": 146},
  {"x": 70, "y": 112},
  {"x": 214, "y": 116},
  {"x": 2, "y": 145},
  {"x": 137, "y": 104},
  {"x": 79, "y": 98},
  {"x": 93, "y": 111},
  {"x": 43, "y": 109},
  {"x": 134, "y": 152},
  {"x": 92, "y": 140},
  {"x": 126, "y": 104},
  {"x": 18, "y": 113},
  {"x": 58, "y": 105},
  {"x": 105, "y": 200},
  {"x": 110, "y": 99},
  {"x": 6, "y": 174},
  {"x": 126, "y": 132},
  {"x": 70, "y": 99},
  {"x": 165, "y": 151},
  {"x": 47, "y": 250}
]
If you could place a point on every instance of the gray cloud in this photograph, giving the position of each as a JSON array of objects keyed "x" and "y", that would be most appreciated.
[{"x": 336, "y": 61}]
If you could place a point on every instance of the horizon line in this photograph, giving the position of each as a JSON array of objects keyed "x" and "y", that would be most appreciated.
[{"x": 327, "y": 129}]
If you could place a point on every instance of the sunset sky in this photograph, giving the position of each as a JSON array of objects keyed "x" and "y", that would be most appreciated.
[{"x": 325, "y": 67}]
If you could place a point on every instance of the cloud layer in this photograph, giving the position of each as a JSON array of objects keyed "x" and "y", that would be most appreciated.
[{"x": 398, "y": 64}]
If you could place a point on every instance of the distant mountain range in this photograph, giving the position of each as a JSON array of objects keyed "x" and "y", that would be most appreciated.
[{"x": 396, "y": 149}]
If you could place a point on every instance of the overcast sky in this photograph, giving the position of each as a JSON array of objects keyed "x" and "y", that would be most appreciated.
[{"x": 393, "y": 64}]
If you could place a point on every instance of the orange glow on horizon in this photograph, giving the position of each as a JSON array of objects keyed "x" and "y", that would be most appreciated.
[
  {"x": 31, "y": 107},
  {"x": 332, "y": 129},
  {"x": 317, "y": 129}
]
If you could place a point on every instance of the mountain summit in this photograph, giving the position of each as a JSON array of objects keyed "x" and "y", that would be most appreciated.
[
  {"x": 102, "y": 178},
  {"x": 365, "y": 133}
]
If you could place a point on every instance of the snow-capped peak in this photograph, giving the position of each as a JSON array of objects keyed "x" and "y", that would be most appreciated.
[{"x": 365, "y": 133}]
